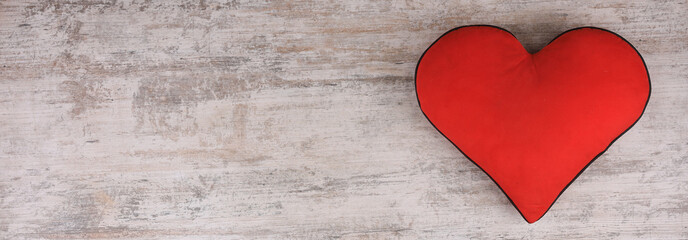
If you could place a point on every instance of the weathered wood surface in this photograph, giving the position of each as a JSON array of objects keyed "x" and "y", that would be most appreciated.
[{"x": 298, "y": 119}]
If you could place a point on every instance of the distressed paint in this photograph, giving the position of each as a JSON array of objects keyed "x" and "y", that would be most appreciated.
[{"x": 298, "y": 119}]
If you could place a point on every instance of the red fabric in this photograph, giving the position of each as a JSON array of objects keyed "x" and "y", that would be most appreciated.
[{"x": 532, "y": 122}]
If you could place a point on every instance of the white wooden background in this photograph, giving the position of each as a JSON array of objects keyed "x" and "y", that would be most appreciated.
[{"x": 298, "y": 119}]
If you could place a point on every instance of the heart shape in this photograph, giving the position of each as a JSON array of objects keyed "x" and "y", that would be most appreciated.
[{"x": 532, "y": 122}]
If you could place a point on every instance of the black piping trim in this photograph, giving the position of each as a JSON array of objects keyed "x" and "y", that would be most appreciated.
[{"x": 591, "y": 161}]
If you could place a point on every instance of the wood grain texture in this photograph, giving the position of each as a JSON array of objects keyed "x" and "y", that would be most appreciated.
[{"x": 298, "y": 120}]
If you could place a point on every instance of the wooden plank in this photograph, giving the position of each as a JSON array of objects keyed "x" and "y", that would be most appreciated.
[{"x": 298, "y": 119}]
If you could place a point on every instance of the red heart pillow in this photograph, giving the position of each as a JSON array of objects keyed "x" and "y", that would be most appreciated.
[{"x": 532, "y": 122}]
